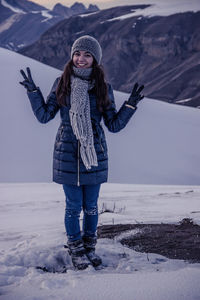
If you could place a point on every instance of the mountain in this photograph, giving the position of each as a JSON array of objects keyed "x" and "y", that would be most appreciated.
[
  {"x": 162, "y": 52},
  {"x": 18, "y": 16},
  {"x": 75, "y": 9},
  {"x": 93, "y": 8},
  {"x": 78, "y": 8},
  {"x": 161, "y": 142},
  {"x": 21, "y": 6},
  {"x": 62, "y": 10}
]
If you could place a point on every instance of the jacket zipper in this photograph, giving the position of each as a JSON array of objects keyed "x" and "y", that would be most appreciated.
[
  {"x": 102, "y": 148},
  {"x": 78, "y": 164},
  {"x": 61, "y": 132}
]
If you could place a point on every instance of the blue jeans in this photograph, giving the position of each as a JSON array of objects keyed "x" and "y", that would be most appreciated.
[{"x": 77, "y": 198}]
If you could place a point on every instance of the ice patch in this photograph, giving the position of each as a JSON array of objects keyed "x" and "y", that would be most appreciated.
[
  {"x": 89, "y": 14},
  {"x": 47, "y": 15},
  {"x": 14, "y": 9}
]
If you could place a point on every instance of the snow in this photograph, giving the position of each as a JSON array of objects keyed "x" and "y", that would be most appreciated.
[
  {"x": 9, "y": 22},
  {"x": 32, "y": 234},
  {"x": 22, "y": 129},
  {"x": 45, "y": 13},
  {"x": 166, "y": 8},
  {"x": 21, "y": 45},
  {"x": 82, "y": 31},
  {"x": 161, "y": 145},
  {"x": 161, "y": 8},
  {"x": 183, "y": 100},
  {"x": 161, "y": 142},
  {"x": 126, "y": 16},
  {"x": 89, "y": 14},
  {"x": 14, "y": 9}
]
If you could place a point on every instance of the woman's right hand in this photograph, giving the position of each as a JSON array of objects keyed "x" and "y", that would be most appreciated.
[{"x": 28, "y": 82}]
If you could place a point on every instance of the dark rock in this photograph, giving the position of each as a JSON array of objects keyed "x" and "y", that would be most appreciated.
[
  {"x": 78, "y": 8},
  {"x": 92, "y": 8},
  {"x": 62, "y": 10},
  {"x": 180, "y": 241}
]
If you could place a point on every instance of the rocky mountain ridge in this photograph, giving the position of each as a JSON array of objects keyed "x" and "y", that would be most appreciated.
[
  {"x": 76, "y": 8},
  {"x": 22, "y": 22},
  {"x": 160, "y": 52}
]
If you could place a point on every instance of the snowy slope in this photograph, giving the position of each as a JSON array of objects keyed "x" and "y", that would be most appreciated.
[
  {"x": 32, "y": 234},
  {"x": 158, "y": 7},
  {"x": 12, "y": 8},
  {"x": 160, "y": 145},
  {"x": 27, "y": 144},
  {"x": 170, "y": 7}
]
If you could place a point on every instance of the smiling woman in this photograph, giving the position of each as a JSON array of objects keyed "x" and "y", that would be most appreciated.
[
  {"x": 82, "y": 59},
  {"x": 80, "y": 159}
]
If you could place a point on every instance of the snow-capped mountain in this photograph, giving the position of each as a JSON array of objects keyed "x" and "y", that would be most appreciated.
[
  {"x": 160, "y": 144},
  {"x": 76, "y": 8},
  {"x": 18, "y": 17},
  {"x": 21, "y": 6}
]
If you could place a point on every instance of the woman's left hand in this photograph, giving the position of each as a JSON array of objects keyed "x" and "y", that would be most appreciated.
[{"x": 135, "y": 96}]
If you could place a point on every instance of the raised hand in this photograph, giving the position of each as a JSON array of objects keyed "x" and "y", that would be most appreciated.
[
  {"x": 28, "y": 82},
  {"x": 135, "y": 96}
]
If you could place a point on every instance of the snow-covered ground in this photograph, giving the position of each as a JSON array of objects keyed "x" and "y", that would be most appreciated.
[
  {"x": 32, "y": 234},
  {"x": 160, "y": 144}
]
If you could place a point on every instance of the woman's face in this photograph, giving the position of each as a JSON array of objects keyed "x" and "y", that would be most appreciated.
[{"x": 82, "y": 59}]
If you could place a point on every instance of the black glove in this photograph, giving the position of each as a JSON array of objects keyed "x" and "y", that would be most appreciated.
[
  {"x": 135, "y": 96},
  {"x": 28, "y": 83}
]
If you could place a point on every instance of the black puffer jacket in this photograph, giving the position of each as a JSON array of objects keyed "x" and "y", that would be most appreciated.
[{"x": 68, "y": 167}]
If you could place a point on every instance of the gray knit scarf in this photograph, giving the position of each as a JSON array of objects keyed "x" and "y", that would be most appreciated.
[{"x": 80, "y": 115}]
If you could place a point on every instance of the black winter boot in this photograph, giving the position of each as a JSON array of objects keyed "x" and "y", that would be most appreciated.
[
  {"x": 89, "y": 245},
  {"x": 78, "y": 255}
]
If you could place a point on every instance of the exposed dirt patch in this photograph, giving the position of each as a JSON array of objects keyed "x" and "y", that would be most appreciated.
[{"x": 180, "y": 241}]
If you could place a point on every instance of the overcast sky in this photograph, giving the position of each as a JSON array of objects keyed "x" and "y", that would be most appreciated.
[{"x": 101, "y": 3}]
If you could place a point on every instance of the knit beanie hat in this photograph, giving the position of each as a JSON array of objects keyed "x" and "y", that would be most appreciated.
[{"x": 90, "y": 44}]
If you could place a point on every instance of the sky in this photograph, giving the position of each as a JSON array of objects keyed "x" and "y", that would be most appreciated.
[{"x": 101, "y": 3}]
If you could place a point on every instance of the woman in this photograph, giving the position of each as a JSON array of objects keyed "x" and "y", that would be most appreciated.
[{"x": 80, "y": 161}]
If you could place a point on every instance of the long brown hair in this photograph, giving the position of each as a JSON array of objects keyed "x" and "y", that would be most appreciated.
[{"x": 100, "y": 88}]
